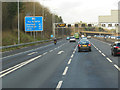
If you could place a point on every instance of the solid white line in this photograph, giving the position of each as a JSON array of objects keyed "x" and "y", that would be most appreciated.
[
  {"x": 18, "y": 66},
  {"x": 10, "y": 71},
  {"x": 109, "y": 60},
  {"x": 59, "y": 85},
  {"x": 65, "y": 71},
  {"x": 117, "y": 67},
  {"x": 25, "y": 51},
  {"x": 11, "y": 68},
  {"x": 69, "y": 61}
]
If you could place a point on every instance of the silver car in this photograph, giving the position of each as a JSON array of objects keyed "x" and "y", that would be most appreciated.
[{"x": 72, "y": 39}]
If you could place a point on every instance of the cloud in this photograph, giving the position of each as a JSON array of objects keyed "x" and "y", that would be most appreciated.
[{"x": 85, "y": 10}]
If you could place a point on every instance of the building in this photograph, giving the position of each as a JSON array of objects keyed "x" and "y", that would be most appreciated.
[{"x": 110, "y": 21}]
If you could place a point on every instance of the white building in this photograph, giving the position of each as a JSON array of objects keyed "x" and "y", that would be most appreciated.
[{"x": 110, "y": 21}]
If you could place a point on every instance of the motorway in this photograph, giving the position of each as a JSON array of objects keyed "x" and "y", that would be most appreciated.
[{"x": 61, "y": 66}]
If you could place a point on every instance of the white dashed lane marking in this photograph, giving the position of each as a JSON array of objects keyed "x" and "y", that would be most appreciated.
[
  {"x": 45, "y": 53},
  {"x": 109, "y": 60},
  {"x": 50, "y": 50},
  {"x": 65, "y": 71},
  {"x": 72, "y": 56},
  {"x": 59, "y": 85},
  {"x": 103, "y": 54},
  {"x": 69, "y": 61},
  {"x": 32, "y": 53},
  {"x": 117, "y": 67},
  {"x": 99, "y": 51}
]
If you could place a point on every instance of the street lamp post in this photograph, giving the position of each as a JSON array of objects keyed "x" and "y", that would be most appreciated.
[
  {"x": 34, "y": 22},
  {"x": 43, "y": 19},
  {"x": 18, "y": 25}
]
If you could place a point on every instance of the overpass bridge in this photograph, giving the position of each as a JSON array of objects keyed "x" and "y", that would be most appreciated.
[{"x": 94, "y": 33}]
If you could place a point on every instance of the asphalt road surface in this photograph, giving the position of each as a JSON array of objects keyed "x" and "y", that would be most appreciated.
[{"x": 61, "y": 66}]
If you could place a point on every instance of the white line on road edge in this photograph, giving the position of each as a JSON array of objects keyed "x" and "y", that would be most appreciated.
[
  {"x": 11, "y": 68},
  {"x": 69, "y": 61},
  {"x": 117, "y": 67},
  {"x": 25, "y": 51},
  {"x": 109, "y": 60},
  {"x": 10, "y": 71},
  {"x": 32, "y": 53},
  {"x": 59, "y": 85},
  {"x": 65, "y": 71},
  {"x": 18, "y": 66}
]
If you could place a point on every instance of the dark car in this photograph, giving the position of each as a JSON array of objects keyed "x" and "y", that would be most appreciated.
[
  {"x": 115, "y": 48},
  {"x": 84, "y": 45}
]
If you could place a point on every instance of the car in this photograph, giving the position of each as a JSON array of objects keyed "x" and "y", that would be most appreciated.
[
  {"x": 113, "y": 37},
  {"x": 67, "y": 38},
  {"x": 84, "y": 45},
  {"x": 115, "y": 48},
  {"x": 88, "y": 37},
  {"x": 106, "y": 36},
  {"x": 118, "y": 38},
  {"x": 72, "y": 39},
  {"x": 84, "y": 37}
]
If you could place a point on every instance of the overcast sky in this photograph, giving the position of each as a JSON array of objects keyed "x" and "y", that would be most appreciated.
[{"x": 81, "y": 10}]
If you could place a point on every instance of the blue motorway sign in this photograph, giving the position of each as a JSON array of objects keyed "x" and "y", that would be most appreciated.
[{"x": 33, "y": 23}]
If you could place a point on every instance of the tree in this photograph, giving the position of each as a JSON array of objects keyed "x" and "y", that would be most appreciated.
[{"x": 12, "y": 11}]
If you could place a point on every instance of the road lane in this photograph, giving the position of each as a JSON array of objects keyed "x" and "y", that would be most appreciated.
[
  {"x": 41, "y": 73},
  {"x": 13, "y": 60},
  {"x": 90, "y": 70},
  {"x": 106, "y": 49},
  {"x": 69, "y": 69}
]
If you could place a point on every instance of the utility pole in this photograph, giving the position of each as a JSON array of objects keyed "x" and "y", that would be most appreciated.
[
  {"x": 18, "y": 25},
  {"x": 34, "y": 20},
  {"x": 53, "y": 22},
  {"x": 43, "y": 19}
]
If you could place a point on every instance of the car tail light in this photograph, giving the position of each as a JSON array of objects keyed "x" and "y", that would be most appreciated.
[
  {"x": 117, "y": 47},
  {"x": 118, "y": 53},
  {"x": 79, "y": 45},
  {"x": 89, "y": 44}
]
